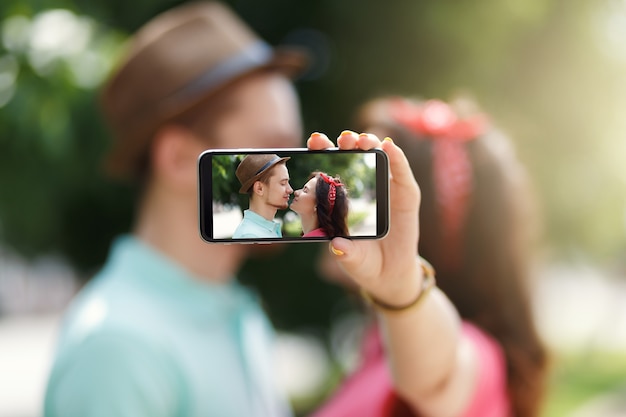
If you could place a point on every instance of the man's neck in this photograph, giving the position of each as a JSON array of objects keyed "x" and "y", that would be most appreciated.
[
  {"x": 266, "y": 211},
  {"x": 168, "y": 225}
]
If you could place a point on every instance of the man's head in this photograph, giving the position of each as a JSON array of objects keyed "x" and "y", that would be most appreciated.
[
  {"x": 194, "y": 78},
  {"x": 265, "y": 178},
  {"x": 198, "y": 72}
]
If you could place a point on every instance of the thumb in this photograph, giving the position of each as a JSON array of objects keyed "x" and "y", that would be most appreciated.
[{"x": 351, "y": 255}]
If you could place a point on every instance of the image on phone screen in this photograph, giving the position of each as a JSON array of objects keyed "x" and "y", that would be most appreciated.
[{"x": 292, "y": 195}]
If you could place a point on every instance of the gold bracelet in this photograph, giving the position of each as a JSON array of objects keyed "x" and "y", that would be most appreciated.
[{"x": 428, "y": 283}]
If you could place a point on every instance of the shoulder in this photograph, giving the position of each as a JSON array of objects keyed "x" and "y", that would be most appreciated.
[
  {"x": 110, "y": 304},
  {"x": 488, "y": 350},
  {"x": 250, "y": 229},
  {"x": 490, "y": 396},
  {"x": 111, "y": 331},
  {"x": 245, "y": 228},
  {"x": 315, "y": 233},
  {"x": 112, "y": 371}
]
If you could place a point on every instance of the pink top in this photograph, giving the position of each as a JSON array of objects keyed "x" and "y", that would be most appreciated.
[
  {"x": 369, "y": 391},
  {"x": 319, "y": 232}
]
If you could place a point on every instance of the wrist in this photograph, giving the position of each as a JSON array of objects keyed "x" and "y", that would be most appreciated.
[{"x": 422, "y": 283}]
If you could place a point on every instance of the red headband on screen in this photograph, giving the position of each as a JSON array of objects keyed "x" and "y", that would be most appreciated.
[{"x": 332, "y": 189}]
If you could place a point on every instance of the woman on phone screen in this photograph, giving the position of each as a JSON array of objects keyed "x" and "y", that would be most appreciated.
[{"x": 322, "y": 204}]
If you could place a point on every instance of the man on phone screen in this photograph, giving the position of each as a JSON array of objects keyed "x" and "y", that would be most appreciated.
[{"x": 265, "y": 179}]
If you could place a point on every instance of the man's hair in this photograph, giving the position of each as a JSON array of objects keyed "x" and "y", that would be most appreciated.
[{"x": 265, "y": 177}]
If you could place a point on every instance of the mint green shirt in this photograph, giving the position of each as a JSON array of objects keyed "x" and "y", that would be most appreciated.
[
  {"x": 255, "y": 226},
  {"x": 144, "y": 338}
]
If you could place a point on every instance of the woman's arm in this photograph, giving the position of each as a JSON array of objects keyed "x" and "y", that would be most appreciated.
[{"x": 432, "y": 366}]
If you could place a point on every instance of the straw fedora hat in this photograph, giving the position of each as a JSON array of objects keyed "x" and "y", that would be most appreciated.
[
  {"x": 174, "y": 62},
  {"x": 253, "y": 166}
]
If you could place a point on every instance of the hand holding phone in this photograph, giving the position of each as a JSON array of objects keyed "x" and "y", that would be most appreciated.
[
  {"x": 293, "y": 195},
  {"x": 387, "y": 268}
]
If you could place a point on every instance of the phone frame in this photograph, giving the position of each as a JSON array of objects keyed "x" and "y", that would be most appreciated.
[{"x": 205, "y": 194}]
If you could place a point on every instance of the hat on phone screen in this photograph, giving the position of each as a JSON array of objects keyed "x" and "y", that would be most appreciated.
[
  {"x": 253, "y": 166},
  {"x": 174, "y": 62}
]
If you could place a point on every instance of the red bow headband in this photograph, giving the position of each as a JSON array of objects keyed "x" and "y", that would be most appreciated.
[
  {"x": 452, "y": 169},
  {"x": 332, "y": 189},
  {"x": 437, "y": 119}
]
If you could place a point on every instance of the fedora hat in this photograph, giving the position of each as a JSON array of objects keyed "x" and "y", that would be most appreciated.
[
  {"x": 174, "y": 62},
  {"x": 253, "y": 166}
]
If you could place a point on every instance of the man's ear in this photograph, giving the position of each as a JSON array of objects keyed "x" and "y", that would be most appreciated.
[
  {"x": 174, "y": 154},
  {"x": 258, "y": 188}
]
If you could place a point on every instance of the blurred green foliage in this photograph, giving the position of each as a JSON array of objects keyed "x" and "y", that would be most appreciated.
[
  {"x": 224, "y": 183},
  {"x": 579, "y": 378},
  {"x": 549, "y": 72},
  {"x": 354, "y": 173},
  {"x": 52, "y": 195}
]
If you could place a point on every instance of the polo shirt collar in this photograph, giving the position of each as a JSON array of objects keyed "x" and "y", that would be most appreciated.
[
  {"x": 256, "y": 218},
  {"x": 143, "y": 266}
]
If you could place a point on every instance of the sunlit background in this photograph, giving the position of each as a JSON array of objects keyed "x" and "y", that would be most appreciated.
[{"x": 551, "y": 73}]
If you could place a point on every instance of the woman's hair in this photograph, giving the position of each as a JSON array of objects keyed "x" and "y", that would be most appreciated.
[
  {"x": 332, "y": 211},
  {"x": 481, "y": 261}
]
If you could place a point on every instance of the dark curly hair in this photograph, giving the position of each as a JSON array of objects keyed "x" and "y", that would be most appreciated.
[{"x": 333, "y": 221}]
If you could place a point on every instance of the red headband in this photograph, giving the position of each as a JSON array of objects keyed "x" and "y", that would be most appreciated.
[
  {"x": 437, "y": 120},
  {"x": 452, "y": 169},
  {"x": 332, "y": 189}
]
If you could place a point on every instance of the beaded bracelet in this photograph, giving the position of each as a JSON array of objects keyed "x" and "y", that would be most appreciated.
[{"x": 427, "y": 284}]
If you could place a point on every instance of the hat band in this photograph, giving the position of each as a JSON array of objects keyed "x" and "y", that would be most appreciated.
[
  {"x": 264, "y": 167},
  {"x": 257, "y": 54}
]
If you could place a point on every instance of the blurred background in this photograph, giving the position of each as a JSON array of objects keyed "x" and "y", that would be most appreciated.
[{"x": 551, "y": 73}]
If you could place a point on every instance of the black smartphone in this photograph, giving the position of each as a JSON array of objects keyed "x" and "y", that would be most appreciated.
[{"x": 292, "y": 195}]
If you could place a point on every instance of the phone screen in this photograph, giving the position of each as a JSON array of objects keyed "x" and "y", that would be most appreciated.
[{"x": 292, "y": 195}]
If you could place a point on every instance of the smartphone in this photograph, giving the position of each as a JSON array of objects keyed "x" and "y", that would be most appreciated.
[{"x": 292, "y": 195}]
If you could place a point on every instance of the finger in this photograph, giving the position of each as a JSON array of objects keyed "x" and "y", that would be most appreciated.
[
  {"x": 399, "y": 165},
  {"x": 354, "y": 257},
  {"x": 319, "y": 141},
  {"x": 347, "y": 139},
  {"x": 404, "y": 196},
  {"x": 341, "y": 247},
  {"x": 368, "y": 141}
]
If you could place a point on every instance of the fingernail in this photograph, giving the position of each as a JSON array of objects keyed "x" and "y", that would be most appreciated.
[
  {"x": 347, "y": 132},
  {"x": 316, "y": 134},
  {"x": 388, "y": 139},
  {"x": 335, "y": 251},
  {"x": 364, "y": 134}
]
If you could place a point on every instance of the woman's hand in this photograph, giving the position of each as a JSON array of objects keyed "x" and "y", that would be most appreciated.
[
  {"x": 435, "y": 382},
  {"x": 386, "y": 268}
]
